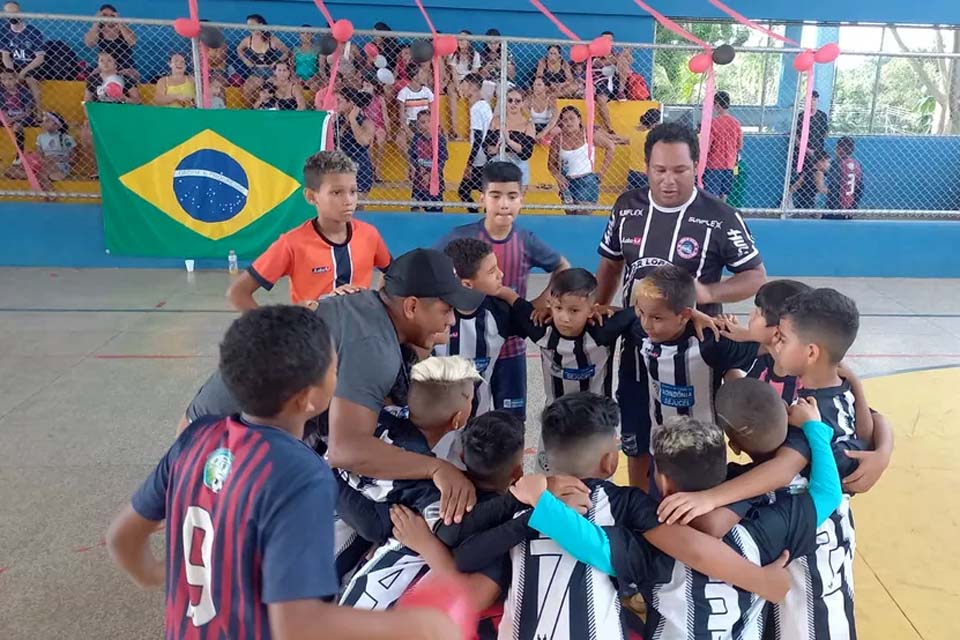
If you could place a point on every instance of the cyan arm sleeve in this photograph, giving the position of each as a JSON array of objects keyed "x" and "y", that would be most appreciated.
[
  {"x": 579, "y": 537},
  {"x": 824, "y": 489}
]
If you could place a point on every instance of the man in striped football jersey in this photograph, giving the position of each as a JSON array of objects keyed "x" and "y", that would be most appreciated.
[
  {"x": 249, "y": 507},
  {"x": 518, "y": 252}
]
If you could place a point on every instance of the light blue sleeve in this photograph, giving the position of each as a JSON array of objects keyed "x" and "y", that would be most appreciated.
[
  {"x": 579, "y": 537},
  {"x": 824, "y": 488}
]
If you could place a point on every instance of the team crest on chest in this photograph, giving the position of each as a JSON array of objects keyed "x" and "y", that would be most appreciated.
[
  {"x": 216, "y": 469},
  {"x": 688, "y": 248}
]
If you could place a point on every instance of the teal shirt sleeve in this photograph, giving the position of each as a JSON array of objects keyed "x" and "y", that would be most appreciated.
[
  {"x": 579, "y": 537},
  {"x": 824, "y": 488}
]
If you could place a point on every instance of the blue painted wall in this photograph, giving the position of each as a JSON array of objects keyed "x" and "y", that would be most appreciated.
[
  {"x": 57, "y": 235},
  {"x": 894, "y": 175}
]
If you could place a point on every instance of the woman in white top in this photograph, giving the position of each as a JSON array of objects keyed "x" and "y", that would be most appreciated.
[
  {"x": 569, "y": 161},
  {"x": 464, "y": 61},
  {"x": 543, "y": 111},
  {"x": 520, "y": 136}
]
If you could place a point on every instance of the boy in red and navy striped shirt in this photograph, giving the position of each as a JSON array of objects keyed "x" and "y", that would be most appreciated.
[
  {"x": 518, "y": 251},
  {"x": 249, "y": 507}
]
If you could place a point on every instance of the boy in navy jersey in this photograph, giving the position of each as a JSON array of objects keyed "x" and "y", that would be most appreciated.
[
  {"x": 677, "y": 372},
  {"x": 684, "y": 604},
  {"x": 518, "y": 252},
  {"x": 249, "y": 507}
]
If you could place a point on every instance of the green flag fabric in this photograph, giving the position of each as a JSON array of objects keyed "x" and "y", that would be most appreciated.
[{"x": 196, "y": 183}]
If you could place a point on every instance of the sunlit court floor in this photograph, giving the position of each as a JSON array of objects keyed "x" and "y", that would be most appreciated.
[{"x": 96, "y": 366}]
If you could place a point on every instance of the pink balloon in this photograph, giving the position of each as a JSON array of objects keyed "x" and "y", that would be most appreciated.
[
  {"x": 804, "y": 61},
  {"x": 371, "y": 50},
  {"x": 113, "y": 90},
  {"x": 186, "y": 28},
  {"x": 700, "y": 63},
  {"x": 601, "y": 47},
  {"x": 827, "y": 53},
  {"x": 444, "y": 45},
  {"x": 342, "y": 30},
  {"x": 579, "y": 52}
]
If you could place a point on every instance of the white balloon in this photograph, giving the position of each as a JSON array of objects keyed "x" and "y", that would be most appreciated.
[
  {"x": 385, "y": 76},
  {"x": 609, "y": 71},
  {"x": 380, "y": 62}
]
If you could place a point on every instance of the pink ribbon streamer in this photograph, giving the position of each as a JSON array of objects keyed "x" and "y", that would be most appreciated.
[
  {"x": 434, "y": 109},
  {"x": 588, "y": 89},
  {"x": 805, "y": 126},
  {"x": 750, "y": 23},
  {"x": 328, "y": 103},
  {"x": 710, "y": 88},
  {"x": 194, "y": 9},
  {"x": 24, "y": 161}
]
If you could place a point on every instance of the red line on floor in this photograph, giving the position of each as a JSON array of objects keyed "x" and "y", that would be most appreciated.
[
  {"x": 864, "y": 355},
  {"x": 2, "y": 569},
  {"x": 160, "y": 305},
  {"x": 102, "y": 543}
]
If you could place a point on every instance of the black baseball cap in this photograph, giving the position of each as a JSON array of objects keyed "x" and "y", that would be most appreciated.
[{"x": 428, "y": 273}]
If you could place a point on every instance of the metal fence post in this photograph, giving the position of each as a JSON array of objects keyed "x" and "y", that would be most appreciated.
[
  {"x": 502, "y": 97},
  {"x": 790, "y": 149},
  {"x": 197, "y": 75}
]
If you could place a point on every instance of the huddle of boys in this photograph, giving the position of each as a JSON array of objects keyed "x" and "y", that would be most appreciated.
[{"x": 561, "y": 568}]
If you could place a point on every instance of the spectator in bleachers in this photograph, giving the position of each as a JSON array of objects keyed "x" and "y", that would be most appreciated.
[
  {"x": 463, "y": 62},
  {"x": 544, "y": 112},
  {"x": 22, "y": 49},
  {"x": 355, "y": 135},
  {"x": 490, "y": 66},
  {"x": 481, "y": 115},
  {"x": 556, "y": 73},
  {"x": 116, "y": 38},
  {"x": 413, "y": 98},
  {"x": 520, "y": 136},
  {"x": 609, "y": 74},
  {"x": 217, "y": 59},
  {"x": 259, "y": 52},
  {"x": 216, "y": 94},
  {"x": 307, "y": 61},
  {"x": 818, "y": 129},
  {"x": 570, "y": 164},
  {"x": 637, "y": 169},
  {"x": 97, "y": 91},
  {"x": 810, "y": 187},
  {"x": 726, "y": 141},
  {"x": 54, "y": 155},
  {"x": 389, "y": 48},
  {"x": 287, "y": 93},
  {"x": 18, "y": 106},
  {"x": 421, "y": 161},
  {"x": 177, "y": 89},
  {"x": 377, "y": 113}
]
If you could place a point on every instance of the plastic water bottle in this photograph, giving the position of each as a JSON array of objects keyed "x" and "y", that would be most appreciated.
[{"x": 232, "y": 265}]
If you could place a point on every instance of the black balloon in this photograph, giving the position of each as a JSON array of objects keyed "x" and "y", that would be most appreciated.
[
  {"x": 724, "y": 54},
  {"x": 211, "y": 37},
  {"x": 421, "y": 51},
  {"x": 327, "y": 44}
]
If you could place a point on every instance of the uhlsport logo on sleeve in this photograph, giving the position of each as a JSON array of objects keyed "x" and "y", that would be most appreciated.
[
  {"x": 210, "y": 185},
  {"x": 199, "y": 183}
]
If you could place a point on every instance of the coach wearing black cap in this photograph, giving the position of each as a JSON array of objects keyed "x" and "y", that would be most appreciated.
[{"x": 414, "y": 308}]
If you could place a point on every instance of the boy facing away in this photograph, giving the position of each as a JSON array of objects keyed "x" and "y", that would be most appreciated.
[
  {"x": 248, "y": 507},
  {"x": 518, "y": 252},
  {"x": 331, "y": 253}
]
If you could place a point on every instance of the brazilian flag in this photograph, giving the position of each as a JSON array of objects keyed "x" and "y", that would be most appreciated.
[{"x": 196, "y": 183}]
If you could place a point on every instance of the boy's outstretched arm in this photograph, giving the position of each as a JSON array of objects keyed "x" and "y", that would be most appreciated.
[
  {"x": 872, "y": 463},
  {"x": 824, "y": 488},
  {"x": 315, "y": 620},
  {"x": 128, "y": 541},
  {"x": 776, "y": 473},
  {"x": 590, "y": 543}
]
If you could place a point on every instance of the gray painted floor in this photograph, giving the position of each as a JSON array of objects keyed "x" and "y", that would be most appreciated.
[{"x": 96, "y": 367}]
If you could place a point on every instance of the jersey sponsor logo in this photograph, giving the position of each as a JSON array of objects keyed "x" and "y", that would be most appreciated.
[
  {"x": 673, "y": 395},
  {"x": 688, "y": 248},
  {"x": 584, "y": 373},
  {"x": 737, "y": 239},
  {"x": 514, "y": 403},
  {"x": 481, "y": 364},
  {"x": 632, "y": 212},
  {"x": 713, "y": 224},
  {"x": 637, "y": 240},
  {"x": 642, "y": 263},
  {"x": 216, "y": 469},
  {"x": 322, "y": 269}
]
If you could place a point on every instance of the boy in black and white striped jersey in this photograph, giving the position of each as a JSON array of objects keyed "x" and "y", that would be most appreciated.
[{"x": 678, "y": 372}]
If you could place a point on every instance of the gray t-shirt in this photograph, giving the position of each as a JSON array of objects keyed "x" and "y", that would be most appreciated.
[{"x": 371, "y": 367}]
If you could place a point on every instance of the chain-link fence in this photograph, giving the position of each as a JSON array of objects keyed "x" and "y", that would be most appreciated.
[{"x": 884, "y": 142}]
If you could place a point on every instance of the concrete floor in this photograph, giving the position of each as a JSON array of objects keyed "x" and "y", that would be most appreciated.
[{"x": 96, "y": 366}]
